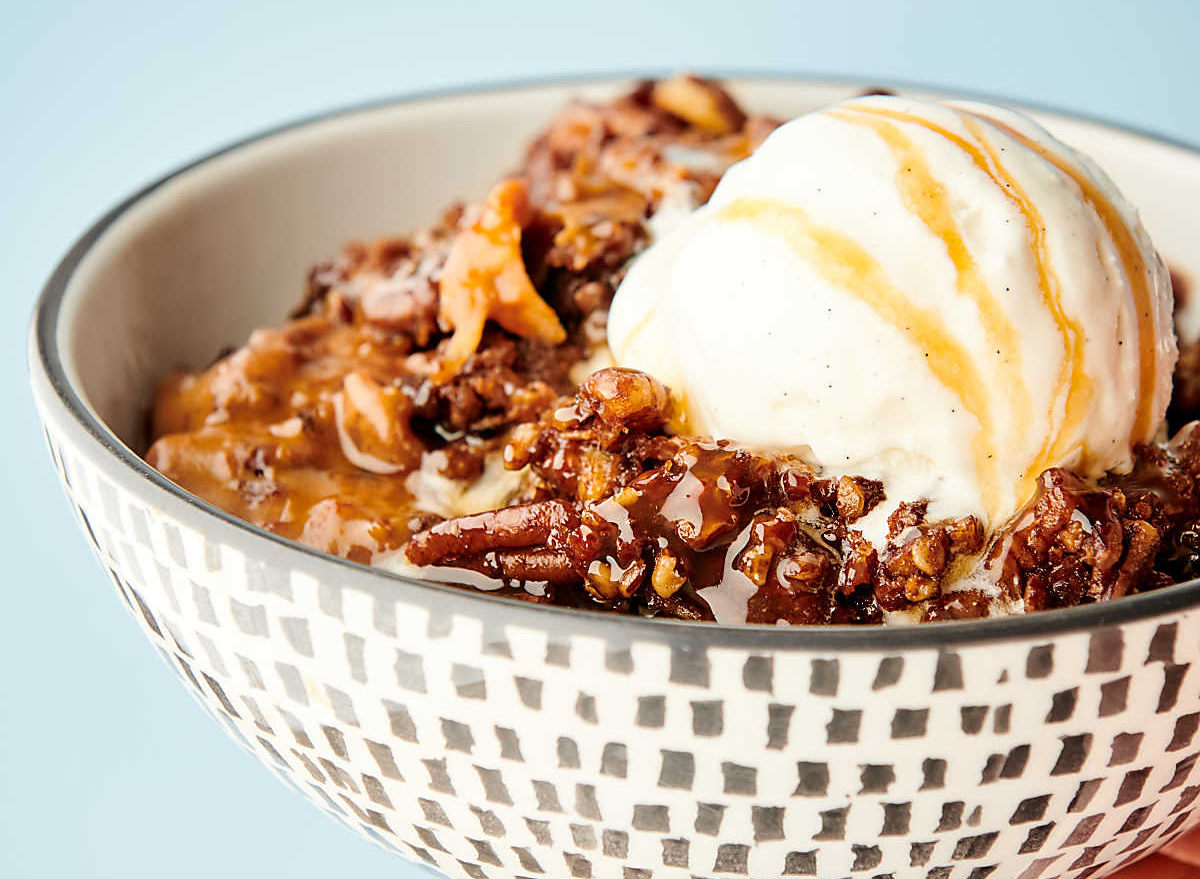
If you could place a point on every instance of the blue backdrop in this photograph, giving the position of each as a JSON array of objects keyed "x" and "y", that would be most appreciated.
[{"x": 107, "y": 767}]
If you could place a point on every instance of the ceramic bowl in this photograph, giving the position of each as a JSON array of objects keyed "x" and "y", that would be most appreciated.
[{"x": 494, "y": 739}]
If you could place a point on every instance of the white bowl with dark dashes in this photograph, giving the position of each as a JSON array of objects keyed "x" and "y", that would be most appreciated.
[{"x": 495, "y": 739}]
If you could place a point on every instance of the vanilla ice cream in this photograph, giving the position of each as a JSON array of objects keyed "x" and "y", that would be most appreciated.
[{"x": 940, "y": 296}]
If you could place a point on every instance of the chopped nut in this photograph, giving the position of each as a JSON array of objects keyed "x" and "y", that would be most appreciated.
[
  {"x": 858, "y": 566},
  {"x": 909, "y": 514},
  {"x": 1142, "y": 544},
  {"x": 626, "y": 496},
  {"x": 632, "y": 577},
  {"x": 600, "y": 582},
  {"x": 625, "y": 397},
  {"x": 591, "y": 224},
  {"x": 929, "y": 554},
  {"x": 519, "y": 448},
  {"x": 666, "y": 578},
  {"x": 804, "y": 570},
  {"x": 598, "y": 472},
  {"x": 802, "y": 589},
  {"x": 857, "y": 496},
  {"x": 913, "y": 571},
  {"x": 700, "y": 102},
  {"x": 850, "y": 499},
  {"x": 609, "y": 582},
  {"x": 769, "y": 535}
]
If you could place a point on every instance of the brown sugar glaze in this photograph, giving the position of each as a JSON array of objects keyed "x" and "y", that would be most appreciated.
[{"x": 444, "y": 357}]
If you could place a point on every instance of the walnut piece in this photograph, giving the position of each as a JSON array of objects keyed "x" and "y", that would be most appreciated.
[
  {"x": 626, "y": 397},
  {"x": 701, "y": 102}
]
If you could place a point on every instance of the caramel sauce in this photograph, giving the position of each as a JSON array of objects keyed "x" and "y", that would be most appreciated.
[
  {"x": 257, "y": 435},
  {"x": 1072, "y": 384},
  {"x": 1079, "y": 388},
  {"x": 1136, "y": 271},
  {"x": 843, "y": 262},
  {"x": 925, "y": 196},
  {"x": 308, "y": 430},
  {"x": 484, "y": 278},
  {"x": 692, "y": 508}
]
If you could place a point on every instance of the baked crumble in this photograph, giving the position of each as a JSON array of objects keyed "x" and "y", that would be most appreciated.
[{"x": 441, "y": 404}]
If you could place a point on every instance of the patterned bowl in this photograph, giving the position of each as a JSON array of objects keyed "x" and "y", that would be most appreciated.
[{"x": 496, "y": 739}]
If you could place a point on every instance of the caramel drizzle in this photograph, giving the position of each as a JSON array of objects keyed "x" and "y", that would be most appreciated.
[
  {"x": 1079, "y": 385},
  {"x": 843, "y": 262},
  {"x": 925, "y": 196},
  {"x": 1072, "y": 384},
  {"x": 1133, "y": 263}
]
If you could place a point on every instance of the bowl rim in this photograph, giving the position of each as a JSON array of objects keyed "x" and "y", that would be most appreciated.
[{"x": 44, "y": 357}]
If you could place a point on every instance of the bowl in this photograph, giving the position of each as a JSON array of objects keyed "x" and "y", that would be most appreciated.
[{"x": 488, "y": 738}]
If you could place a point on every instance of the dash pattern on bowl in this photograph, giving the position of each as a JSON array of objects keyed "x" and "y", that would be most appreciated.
[
  {"x": 486, "y": 738},
  {"x": 488, "y": 749}
]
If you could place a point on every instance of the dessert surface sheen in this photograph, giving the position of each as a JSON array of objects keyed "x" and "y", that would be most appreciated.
[{"x": 905, "y": 361}]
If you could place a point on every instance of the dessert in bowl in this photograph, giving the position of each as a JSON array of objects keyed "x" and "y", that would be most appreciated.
[
  {"x": 910, "y": 358},
  {"x": 488, "y": 736}
]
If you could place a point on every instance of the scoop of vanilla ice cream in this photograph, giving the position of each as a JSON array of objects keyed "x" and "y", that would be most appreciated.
[{"x": 940, "y": 296}]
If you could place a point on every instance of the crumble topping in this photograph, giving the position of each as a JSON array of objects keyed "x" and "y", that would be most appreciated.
[{"x": 442, "y": 404}]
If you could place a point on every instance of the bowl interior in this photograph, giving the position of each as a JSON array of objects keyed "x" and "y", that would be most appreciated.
[{"x": 223, "y": 247}]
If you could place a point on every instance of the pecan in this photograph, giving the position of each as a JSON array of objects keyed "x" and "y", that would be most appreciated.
[
  {"x": 525, "y": 565},
  {"x": 847, "y": 498},
  {"x": 507, "y": 528},
  {"x": 909, "y": 514},
  {"x": 625, "y": 397},
  {"x": 609, "y": 582},
  {"x": 1142, "y": 543},
  {"x": 914, "y": 571}
]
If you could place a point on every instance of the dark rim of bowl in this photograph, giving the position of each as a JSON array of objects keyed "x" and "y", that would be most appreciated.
[{"x": 1161, "y": 602}]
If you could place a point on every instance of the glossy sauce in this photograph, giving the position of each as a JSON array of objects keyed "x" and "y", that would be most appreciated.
[
  {"x": 690, "y": 508},
  {"x": 258, "y": 435}
]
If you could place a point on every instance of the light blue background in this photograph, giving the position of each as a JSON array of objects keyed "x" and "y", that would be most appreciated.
[{"x": 106, "y": 765}]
